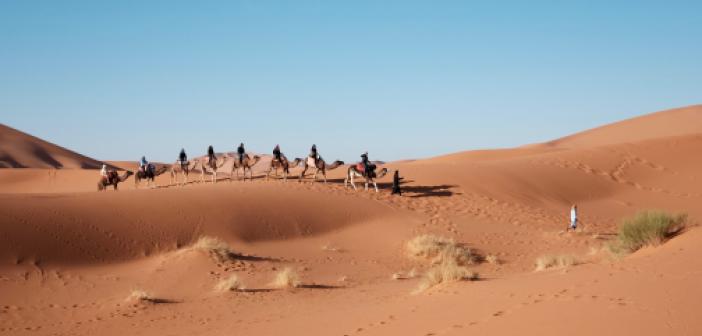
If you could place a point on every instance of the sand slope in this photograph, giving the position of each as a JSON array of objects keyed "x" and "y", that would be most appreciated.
[
  {"x": 21, "y": 150},
  {"x": 69, "y": 256}
]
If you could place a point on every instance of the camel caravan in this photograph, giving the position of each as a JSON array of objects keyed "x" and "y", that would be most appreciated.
[{"x": 213, "y": 163}]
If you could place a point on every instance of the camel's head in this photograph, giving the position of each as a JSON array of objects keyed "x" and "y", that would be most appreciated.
[{"x": 129, "y": 173}]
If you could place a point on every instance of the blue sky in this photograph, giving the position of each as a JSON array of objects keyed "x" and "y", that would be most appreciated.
[{"x": 401, "y": 79}]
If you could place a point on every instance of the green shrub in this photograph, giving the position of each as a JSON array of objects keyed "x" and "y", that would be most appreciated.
[{"x": 648, "y": 228}]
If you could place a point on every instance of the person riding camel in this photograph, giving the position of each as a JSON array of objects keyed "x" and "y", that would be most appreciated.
[
  {"x": 211, "y": 155},
  {"x": 182, "y": 157},
  {"x": 103, "y": 173},
  {"x": 276, "y": 153},
  {"x": 241, "y": 151},
  {"x": 313, "y": 153},
  {"x": 143, "y": 164},
  {"x": 366, "y": 164}
]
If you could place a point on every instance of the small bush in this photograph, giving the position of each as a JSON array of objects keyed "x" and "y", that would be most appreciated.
[
  {"x": 439, "y": 250},
  {"x": 231, "y": 283},
  {"x": 286, "y": 278},
  {"x": 648, "y": 228},
  {"x": 216, "y": 247},
  {"x": 445, "y": 272},
  {"x": 555, "y": 261},
  {"x": 139, "y": 295},
  {"x": 493, "y": 259}
]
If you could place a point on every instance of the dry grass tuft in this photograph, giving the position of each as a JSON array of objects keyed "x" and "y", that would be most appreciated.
[
  {"x": 216, "y": 247},
  {"x": 647, "y": 228},
  {"x": 232, "y": 283},
  {"x": 287, "y": 278},
  {"x": 555, "y": 261},
  {"x": 439, "y": 250},
  {"x": 139, "y": 295},
  {"x": 444, "y": 273},
  {"x": 493, "y": 259}
]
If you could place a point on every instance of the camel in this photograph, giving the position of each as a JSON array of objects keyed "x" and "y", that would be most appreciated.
[
  {"x": 112, "y": 179},
  {"x": 247, "y": 163},
  {"x": 319, "y": 165},
  {"x": 182, "y": 168},
  {"x": 212, "y": 165},
  {"x": 358, "y": 171},
  {"x": 149, "y": 174},
  {"x": 283, "y": 164}
]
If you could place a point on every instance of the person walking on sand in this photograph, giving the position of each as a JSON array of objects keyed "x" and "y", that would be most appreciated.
[{"x": 573, "y": 217}]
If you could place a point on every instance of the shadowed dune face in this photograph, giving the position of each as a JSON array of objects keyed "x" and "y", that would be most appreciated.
[
  {"x": 21, "y": 150},
  {"x": 88, "y": 228}
]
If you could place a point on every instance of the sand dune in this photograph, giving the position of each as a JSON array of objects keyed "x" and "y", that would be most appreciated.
[
  {"x": 70, "y": 257},
  {"x": 21, "y": 150}
]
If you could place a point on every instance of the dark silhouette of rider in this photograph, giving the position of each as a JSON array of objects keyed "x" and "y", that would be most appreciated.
[
  {"x": 276, "y": 152},
  {"x": 366, "y": 164},
  {"x": 313, "y": 153},
  {"x": 182, "y": 157},
  {"x": 211, "y": 155},
  {"x": 241, "y": 151}
]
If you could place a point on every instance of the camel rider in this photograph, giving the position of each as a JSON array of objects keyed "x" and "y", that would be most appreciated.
[
  {"x": 276, "y": 153},
  {"x": 182, "y": 157},
  {"x": 241, "y": 151},
  {"x": 313, "y": 153},
  {"x": 211, "y": 155},
  {"x": 366, "y": 164},
  {"x": 103, "y": 173},
  {"x": 143, "y": 164}
]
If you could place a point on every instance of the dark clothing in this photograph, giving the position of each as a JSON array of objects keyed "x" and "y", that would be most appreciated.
[
  {"x": 366, "y": 165},
  {"x": 396, "y": 183},
  {"x": 276, "y": 153},
  {"x": 182, "y": 157},
  {"x": 241, "y": 153}
]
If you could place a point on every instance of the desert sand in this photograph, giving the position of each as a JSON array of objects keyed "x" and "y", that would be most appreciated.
[{"x": 71, "y": 257}]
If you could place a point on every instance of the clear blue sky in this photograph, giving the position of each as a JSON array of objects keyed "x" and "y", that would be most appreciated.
[{"x": 401, "y": 79}]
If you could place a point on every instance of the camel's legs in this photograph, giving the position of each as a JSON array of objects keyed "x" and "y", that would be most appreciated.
[
  {"x": 375, "y": 185},
  {"x": 302, "y": 175},
  {"x": 352, "y": 181}
]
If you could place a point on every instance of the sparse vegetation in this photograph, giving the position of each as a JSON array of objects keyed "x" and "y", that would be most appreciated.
[
  {"x": 555, "y": 261},
  {"x": 232, "y": 283},
  {"x": 492, "y": 259},
  {"x": 287, "y": 278},
  {"x": 139, "y": 295},
  {"x": 647, "y": 228},
  {"x": 216, "y": 247},
  {"x": 445, "y": 272},
  {"x": 439, "y": 250}
]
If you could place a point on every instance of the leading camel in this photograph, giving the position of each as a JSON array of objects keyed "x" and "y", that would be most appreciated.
[
  {"x": 246, "y": 163},
  {"x": 359, "y": 171},
  {"x": 283, "y": 164},
  {"x": 112, "y": 179},
  {"x": 149, "y": 174},
  {"x": 319, "y": 165},
  {"x": 213, "y": 165}
]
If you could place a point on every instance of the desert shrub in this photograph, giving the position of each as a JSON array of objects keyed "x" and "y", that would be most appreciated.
[
  {"x": 648, "y": 228},
  {"x": 232, "y": 283},
  {"x": 138, "y": 295},
  {"x": 439, "y": 250},
  {"x": 216, "y": 247},
  {"x": 445, "y": 272},
  {"x": 287, "y": 278},
  {"x": 555, "y": 261}
]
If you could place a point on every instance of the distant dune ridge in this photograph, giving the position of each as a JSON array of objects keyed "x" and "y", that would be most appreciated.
[{"x": 21, "y": 150}]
